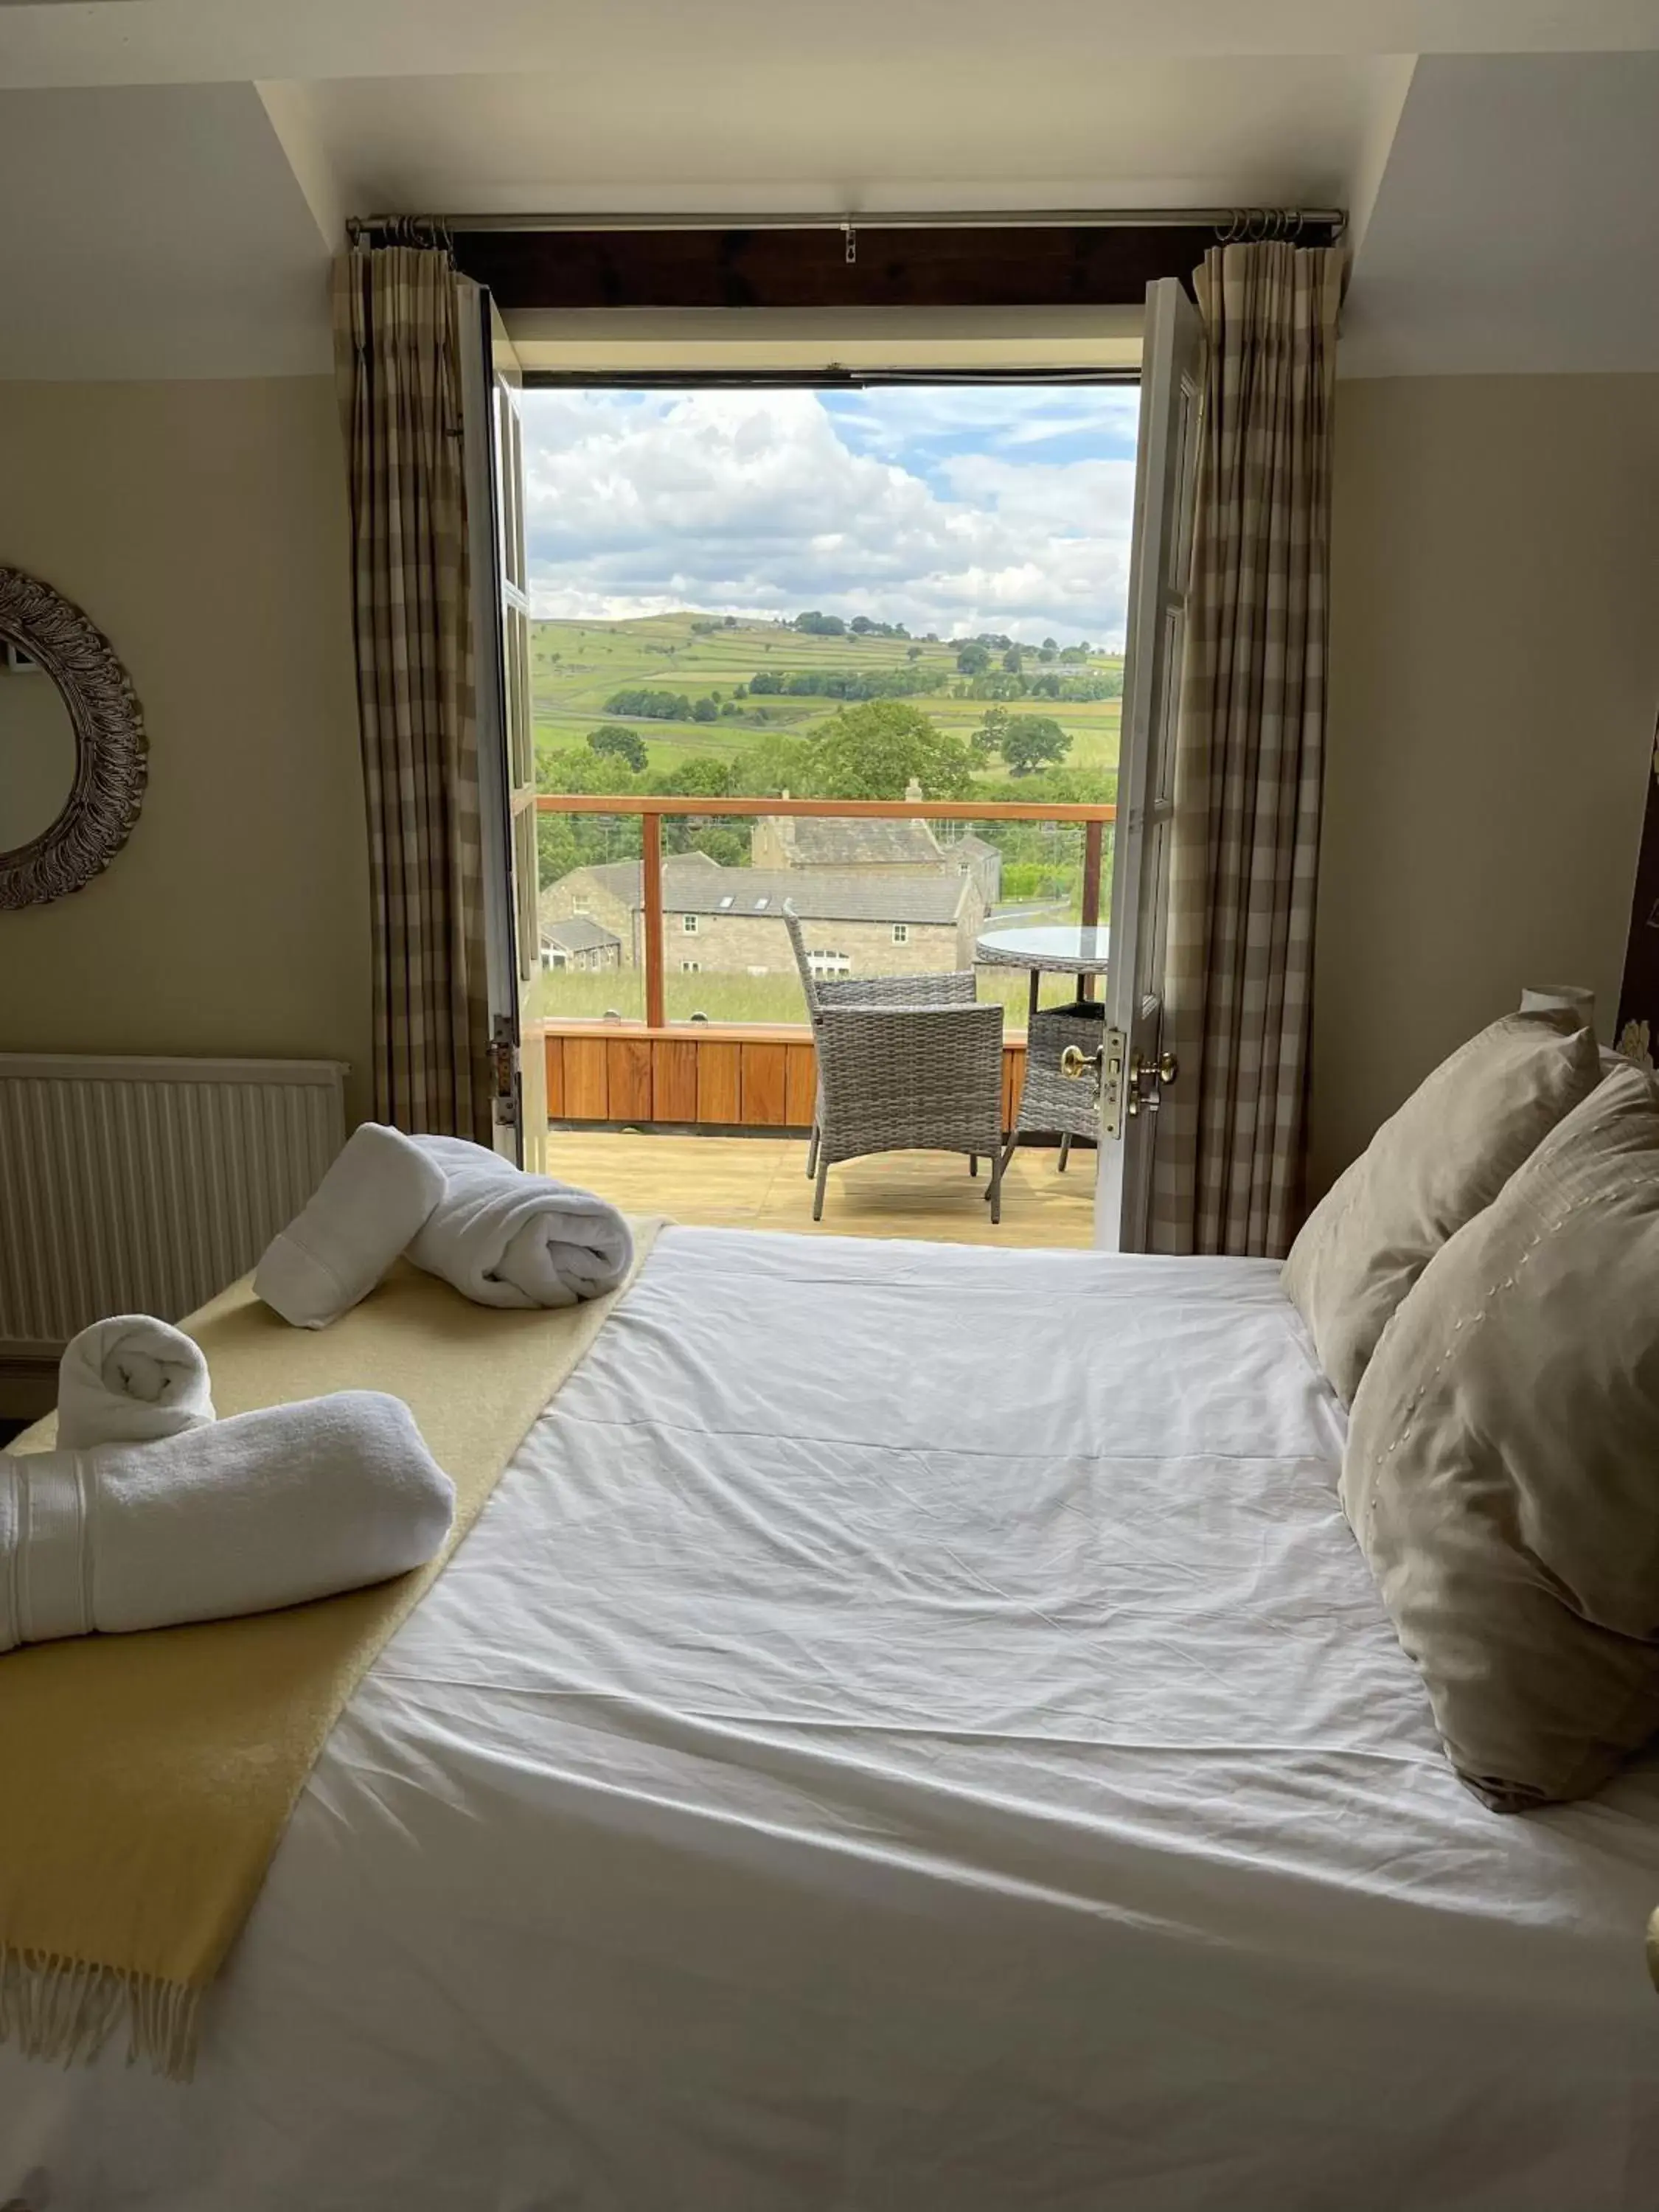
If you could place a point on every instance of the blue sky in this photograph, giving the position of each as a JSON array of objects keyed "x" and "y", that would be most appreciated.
[{"x": 954, "y": 509}]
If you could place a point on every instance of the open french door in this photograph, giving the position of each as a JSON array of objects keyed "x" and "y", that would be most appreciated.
[
  {"x": 1134, "y": 1067},
  {"x": 491, "y": 383}
]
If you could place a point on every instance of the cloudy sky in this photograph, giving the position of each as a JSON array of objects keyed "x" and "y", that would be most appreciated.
[{"x": 1002, "y": 508}]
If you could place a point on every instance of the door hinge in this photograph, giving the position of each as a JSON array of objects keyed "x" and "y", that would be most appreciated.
[
  {"x": 504, "y": 1071},
  {"x": 1113, "y": 1049}
]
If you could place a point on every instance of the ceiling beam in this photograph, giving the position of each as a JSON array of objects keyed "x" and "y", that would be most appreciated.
[{"x": 969, "y": 267}]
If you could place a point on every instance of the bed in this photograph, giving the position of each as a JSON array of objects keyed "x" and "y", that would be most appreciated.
[{"x": 911, "y": 1729}]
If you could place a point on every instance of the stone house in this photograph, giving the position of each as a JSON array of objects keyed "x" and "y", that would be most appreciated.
[
  {"x": 874, "y": 845},
  {"x": 729, "y": 921}
]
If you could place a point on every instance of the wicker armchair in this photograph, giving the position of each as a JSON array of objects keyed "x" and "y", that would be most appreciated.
[{"x": 906, "y": 1063}]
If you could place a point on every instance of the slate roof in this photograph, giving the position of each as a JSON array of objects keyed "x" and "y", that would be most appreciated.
[
  {"x": 822, "y": 841},
  {"x": 692, "y": 883},
  {"x": 576, "y": 933}
]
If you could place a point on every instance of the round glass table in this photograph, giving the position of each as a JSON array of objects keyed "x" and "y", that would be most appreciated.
[
  {"x": 1050, "y": 1103},
  {"x": 1053, "y": 949}
]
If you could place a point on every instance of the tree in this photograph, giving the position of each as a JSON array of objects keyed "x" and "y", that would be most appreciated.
[
  {"x": 703, "y": 776},
  {"x": 617, "y": 740},
  {"x": 913, "y": 652},
  {"x": 861, "y": 625},
  {"x": 651, "y": 705},
  {"x": 816, "y": 625},
  {"x": 1013, "y": 660},
  {"x": 973, "y": 659},
  {"x": 988, "y": 739},
  {"x": 731, "y": 623},
  {"x": 1047, "y": 645},
  {"x": 705, "y": 710},
  {"x": 1033, "y": 741},
  {"x": 875, "y": 751},
  {"x": 774, "y": 763},
  {"x": 555, "y": 847}
]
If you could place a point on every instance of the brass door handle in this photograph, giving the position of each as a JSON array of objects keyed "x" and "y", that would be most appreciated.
[
  {"x": 1074, "y": 1061},
  {"x": 1159, "y": 1073}
]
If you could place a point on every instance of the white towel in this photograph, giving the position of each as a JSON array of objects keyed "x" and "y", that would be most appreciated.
[
  {"x": 264, "y": 1509},
  {"x": 509, "y": 1239},
  {"x": 364, "y": 1212},
  {"x": 130, "y": 1380}
]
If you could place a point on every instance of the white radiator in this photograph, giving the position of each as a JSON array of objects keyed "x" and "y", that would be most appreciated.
[{"x": 145, "y": 1186}]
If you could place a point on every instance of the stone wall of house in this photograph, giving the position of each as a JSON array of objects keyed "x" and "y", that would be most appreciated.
[
  {"x": 589, "y": 961},
  {"x": 736, "y": 944}
]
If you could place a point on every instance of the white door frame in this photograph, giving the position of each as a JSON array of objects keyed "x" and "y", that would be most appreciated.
[{"x": 1131, "y": 1071}]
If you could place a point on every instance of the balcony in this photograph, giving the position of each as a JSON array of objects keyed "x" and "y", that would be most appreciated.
[{"x": 679, "y": 1057}]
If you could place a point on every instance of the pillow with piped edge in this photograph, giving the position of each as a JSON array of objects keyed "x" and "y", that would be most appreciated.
[
  {"x": 1432, "y": 1167},
  {"x": 1502, "y": 1465}
]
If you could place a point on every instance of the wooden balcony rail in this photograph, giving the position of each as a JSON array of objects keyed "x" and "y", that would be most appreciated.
[{"x": 651, "y": 811}]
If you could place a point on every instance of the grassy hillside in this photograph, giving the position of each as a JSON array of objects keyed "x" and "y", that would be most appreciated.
[{"x": 578, "y": 666}]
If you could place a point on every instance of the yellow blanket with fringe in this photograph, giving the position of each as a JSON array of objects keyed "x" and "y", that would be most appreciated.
[{"x": 147, "y": 1778}]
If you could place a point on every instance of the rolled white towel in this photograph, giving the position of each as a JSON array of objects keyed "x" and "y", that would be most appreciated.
[
  {"x": 264, "y": 1509},
  {"x": 130, "y": 1380},
  {"x": 364, "y": 1212},
  {"x": 506, "y": 1238}
]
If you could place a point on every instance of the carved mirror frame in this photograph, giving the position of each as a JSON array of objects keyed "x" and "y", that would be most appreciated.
[{"x": 110, "y": 759}]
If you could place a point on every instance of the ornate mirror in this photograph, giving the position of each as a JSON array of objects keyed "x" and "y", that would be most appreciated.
[{"x": 72, "y": 760}]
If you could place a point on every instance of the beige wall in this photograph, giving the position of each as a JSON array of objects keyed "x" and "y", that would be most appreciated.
[
  {"x": 1494, "y": 678},
  {"x": 201, "y": 527}
]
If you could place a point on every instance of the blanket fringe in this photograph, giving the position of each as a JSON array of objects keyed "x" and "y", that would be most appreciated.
[{"x": 66, "y": 2009}]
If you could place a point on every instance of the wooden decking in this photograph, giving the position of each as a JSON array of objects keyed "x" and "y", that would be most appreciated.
[{"x": 760, "y": 1183}]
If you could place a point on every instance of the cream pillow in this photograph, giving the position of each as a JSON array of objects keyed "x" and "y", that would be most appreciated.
[
  {"x": 1446, "y": 1154},
  {"x": 1501, "y": 1469}
]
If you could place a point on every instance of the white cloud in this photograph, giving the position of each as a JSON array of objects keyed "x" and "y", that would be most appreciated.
[{"x": 755, "y": 502}]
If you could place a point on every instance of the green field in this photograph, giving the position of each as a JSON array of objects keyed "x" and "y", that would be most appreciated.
[{"x": 577, "y": 666}]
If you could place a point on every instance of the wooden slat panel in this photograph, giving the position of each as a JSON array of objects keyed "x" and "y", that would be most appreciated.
[
  {"x": 690, "y": 1032},
  {"x": 800, "y": 1086},
  {"x": 628, "y": 1079},
  {"x": 553, "y": 1047},
  {"x": 765, "y": 1070},
  {"x": 587, "y": 1090},
  {"x": 674, "y": 1078},
  {"x": 1014, "y": 1082},
  {"x": 720, "y": 1082}
]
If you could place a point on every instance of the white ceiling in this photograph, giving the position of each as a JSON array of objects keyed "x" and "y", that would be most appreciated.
[{"x": 176, "y": 172}]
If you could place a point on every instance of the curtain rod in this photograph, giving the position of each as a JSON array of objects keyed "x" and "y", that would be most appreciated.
[{"x": 1230, "y": 223}]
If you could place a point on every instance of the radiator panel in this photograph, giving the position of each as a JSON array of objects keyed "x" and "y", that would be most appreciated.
[{"x": 145, "y": 1186}]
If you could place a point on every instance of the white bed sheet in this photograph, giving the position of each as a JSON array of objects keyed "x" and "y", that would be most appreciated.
[{"x": 911, "y": 1729}]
